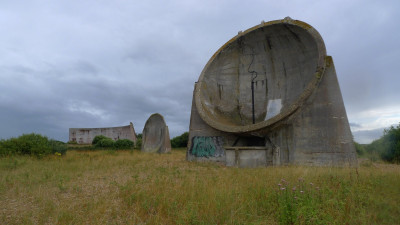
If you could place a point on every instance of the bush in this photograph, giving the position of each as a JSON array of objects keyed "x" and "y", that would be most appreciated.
[
  {"x": 58, "y": 147},
  {"x": 387, "y": 147},
  {"x": 34, "y": 144},
  {"x": 391, "y": 137},
  {"x": 123, "y": 144},
  {"x": 31, "y": 144},
  {"x": 359, "y": 149},
  {"x": 180, "y": 141},
  {"x": 102, "y": 141},
  {"x": 8, "y": 147},
  {"x": 98, "y": 138},
  {"x": 138, "y": 144},
  {"x": 105, "y": 143}
]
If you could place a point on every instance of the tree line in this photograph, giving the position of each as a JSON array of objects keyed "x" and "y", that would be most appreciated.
[{"x": 386, "y": 148}]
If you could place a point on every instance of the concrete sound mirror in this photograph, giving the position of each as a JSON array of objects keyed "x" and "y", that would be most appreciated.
[
  {"x": 155, "y": 135},
  {"x": 270, "y": 96}
]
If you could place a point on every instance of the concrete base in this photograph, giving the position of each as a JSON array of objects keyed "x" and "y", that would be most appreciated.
[{"x": 249, "y": 157}]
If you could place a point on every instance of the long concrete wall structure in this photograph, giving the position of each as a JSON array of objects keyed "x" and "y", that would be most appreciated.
[
  {"x": 270, "y": 96},
  {"x": 86, "y": 135}
]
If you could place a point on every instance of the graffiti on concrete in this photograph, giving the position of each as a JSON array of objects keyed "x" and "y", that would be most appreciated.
[{"x": 204, "y": 146}]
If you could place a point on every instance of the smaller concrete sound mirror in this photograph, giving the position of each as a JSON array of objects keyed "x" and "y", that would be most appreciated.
[
  {"x": 155, "y": 136},
  {"x": 270, "y": 96}
]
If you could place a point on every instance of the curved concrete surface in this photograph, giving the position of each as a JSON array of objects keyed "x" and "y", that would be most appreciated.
[
  {"x": 156, "y": 135},
  {"x": 284, "y": 59},
  {"x": 270, "y": 96}
]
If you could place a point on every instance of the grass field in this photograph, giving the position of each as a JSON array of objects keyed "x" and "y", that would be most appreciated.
[{"x": 125, "y": 187}]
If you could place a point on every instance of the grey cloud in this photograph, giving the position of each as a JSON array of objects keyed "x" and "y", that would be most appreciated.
[
  {"x": 96, "y": 64},
  {"x": 367, "y": 136},
  {"x": 86, "y": 68},
  {"x": 355, "y": 125}
]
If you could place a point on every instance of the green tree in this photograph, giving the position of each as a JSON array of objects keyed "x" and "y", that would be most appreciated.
[
  {"x": 359, "y": 148},
  {"x": 180, "y": 141},
  {"x": 391, "y": 138},
  {"x": 387, "y": 147}
]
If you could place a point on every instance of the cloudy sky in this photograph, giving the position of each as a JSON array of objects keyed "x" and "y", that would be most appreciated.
[{"x": 87, "y": 63}]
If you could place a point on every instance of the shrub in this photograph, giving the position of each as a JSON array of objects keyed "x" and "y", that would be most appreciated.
[
  {"x": 31, "y": 144},
  {"x": 105, "y": 143},
  {"x": 7, "y": 147},
  {"x": 123, "y": 144},
  {"x": 180, "y": 141},
  {"x": 102, "y": 141},
  {"x": 387, "y": 147},
  {"x": 58, "y": 147},
  {"x": 359, "y": 149},
  {"x": 391, "y": 138},
  {"x": 138, "y": 144},
  {"x": 98, "y": 138}
]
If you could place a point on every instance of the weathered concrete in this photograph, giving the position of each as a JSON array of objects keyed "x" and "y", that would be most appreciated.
[
  {"x": 86, "y": 135},
  {"x": 298, "y": 115},
  {"x": 155, "y": 136}
]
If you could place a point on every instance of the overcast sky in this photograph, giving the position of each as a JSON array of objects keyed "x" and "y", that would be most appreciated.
[{"x": 101, "y": 63}]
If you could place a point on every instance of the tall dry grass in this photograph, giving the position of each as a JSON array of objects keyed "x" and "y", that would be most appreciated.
[{"x": 124, "y": 187}]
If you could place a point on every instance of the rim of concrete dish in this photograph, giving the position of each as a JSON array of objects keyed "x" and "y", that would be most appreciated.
[
  {"x": 154, "y": 115},
  {"x": 289, "y": 110}
]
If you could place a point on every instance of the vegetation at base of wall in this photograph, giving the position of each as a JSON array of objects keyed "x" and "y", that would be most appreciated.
[
  {"x": 138, "y": 141},
  {"x": 105, "y": 143},
  {"x": 180, "y": 141},
  {"x": 32, "y": 144},
  {"x": 98, "y": 138},
  {"x": 123, "y": 144},
  {"x": 386, "y": 148},
  {"x": 132, "y": 187}
]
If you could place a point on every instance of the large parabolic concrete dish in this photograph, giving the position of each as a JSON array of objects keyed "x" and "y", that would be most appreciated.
[
  {"x": 270, "y": 96},
  {"x": 155, "y": 135}
]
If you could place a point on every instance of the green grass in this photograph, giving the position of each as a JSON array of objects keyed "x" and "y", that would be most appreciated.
[{"x": 131, "y": 187}]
